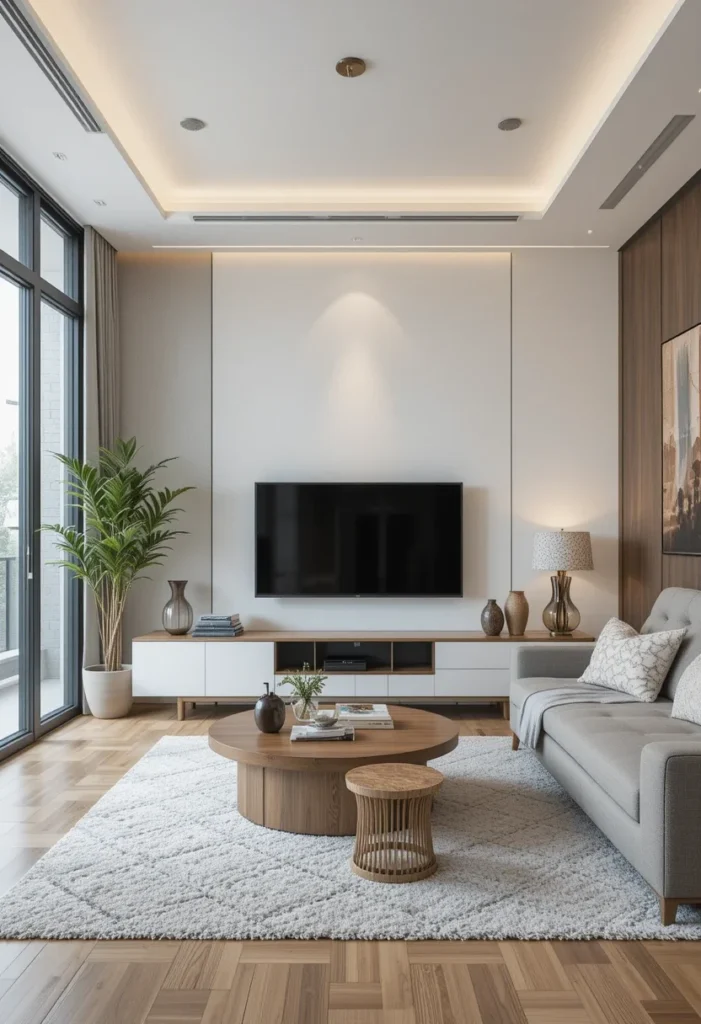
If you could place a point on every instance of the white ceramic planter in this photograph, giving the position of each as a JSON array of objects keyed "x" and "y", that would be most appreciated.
[{"x": 108, "y": 693}]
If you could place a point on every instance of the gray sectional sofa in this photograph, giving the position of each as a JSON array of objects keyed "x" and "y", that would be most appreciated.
[{"x": 634, "y": 770}]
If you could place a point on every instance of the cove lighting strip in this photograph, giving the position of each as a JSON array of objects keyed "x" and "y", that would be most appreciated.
[{"x": 373, "y": 248}]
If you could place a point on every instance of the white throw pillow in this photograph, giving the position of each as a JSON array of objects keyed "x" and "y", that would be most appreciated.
[
  {"x": 632, "y": 662},
  {"x": 687, "y": 699}
]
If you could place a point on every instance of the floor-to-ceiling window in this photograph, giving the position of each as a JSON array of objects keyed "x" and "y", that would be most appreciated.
[{"x": 40, "y": 401}]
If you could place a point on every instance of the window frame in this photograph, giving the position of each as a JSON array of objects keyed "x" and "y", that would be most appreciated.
[{"x": 36, "y": 205}]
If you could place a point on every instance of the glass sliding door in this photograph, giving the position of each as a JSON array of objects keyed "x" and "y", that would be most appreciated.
[
  {"x": 56, "y": 434},
  {"x": 40, "y": 402},
  {"x": 12, "y": 681}
]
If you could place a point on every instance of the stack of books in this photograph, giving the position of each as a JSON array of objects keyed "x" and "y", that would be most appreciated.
[
  {"x": 218, "y": 625},
  {"x": 311, "y": 733},
  {"x": 365, "y": 716}
]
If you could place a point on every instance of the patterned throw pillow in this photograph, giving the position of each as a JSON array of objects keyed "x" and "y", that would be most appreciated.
[
  {"x": 632, "y": 662},
  {"x": 687, "y": 699}
]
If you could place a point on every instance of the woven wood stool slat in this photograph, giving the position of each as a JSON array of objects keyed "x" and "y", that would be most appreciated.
[{"x": 393, "y": 841}]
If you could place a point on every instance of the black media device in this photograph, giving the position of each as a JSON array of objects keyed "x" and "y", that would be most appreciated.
[
  {"x": 358, "y": 540},
  {"x": 345, "y": 665}
]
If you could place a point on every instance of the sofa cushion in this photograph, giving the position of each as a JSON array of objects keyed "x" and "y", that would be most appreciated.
[
  {"x": 632, "y": 663},
  {"x": 607, "y": 740},
  {"x": 677, "y": 608},
  {"x": 687, "y": 698}
]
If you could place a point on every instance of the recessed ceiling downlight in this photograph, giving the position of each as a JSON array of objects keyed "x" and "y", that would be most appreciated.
[
  {"x": 193, "y": 124},
  {"x": 510, "y": 124}
]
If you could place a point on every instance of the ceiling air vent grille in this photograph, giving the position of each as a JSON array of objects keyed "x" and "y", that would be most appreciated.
[
  {"x": 663, "y": 141},
  {"x": 36, "y": 48},
  {"x": 352, "y": 218}
]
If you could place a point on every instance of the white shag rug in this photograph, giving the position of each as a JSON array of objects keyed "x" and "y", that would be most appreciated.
[{"x": 165, "y": 854}]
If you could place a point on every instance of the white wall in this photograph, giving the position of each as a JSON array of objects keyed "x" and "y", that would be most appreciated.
[
  {"x": 371, "y": 367},
  {"x": 565, "y": 408},
  {"x": 356, "y": 367},
  {"x": 165, "y": 328}
]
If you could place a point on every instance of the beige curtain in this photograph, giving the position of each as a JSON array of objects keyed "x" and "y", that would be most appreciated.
[
  {"x": 102, "y": 332},
  {"x": 101, "y": 380}
]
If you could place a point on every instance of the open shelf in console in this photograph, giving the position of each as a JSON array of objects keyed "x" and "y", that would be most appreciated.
[
  {"x": 413, "y": 656},
  {"x": 382, "y": 657},
  {"x": 292, "y": 655},
  {"x": 377, "y": 654}
]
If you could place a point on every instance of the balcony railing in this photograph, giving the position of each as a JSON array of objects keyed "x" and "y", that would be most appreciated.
[{"x": 8, "y": 603}]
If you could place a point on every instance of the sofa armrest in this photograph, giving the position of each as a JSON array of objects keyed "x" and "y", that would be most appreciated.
[
  {"x": 564, "y": 662},
  {"x": 670, "y": 816}
]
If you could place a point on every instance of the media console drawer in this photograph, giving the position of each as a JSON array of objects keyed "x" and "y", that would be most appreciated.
[{"x": 411, "y": 685}]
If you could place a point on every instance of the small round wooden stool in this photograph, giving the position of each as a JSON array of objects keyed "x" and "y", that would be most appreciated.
[{"x": 393, "y": 841}]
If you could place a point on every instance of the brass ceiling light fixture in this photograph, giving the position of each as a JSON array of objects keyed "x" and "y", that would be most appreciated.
[
  {"x": 510, "y": 124},
  {"x": 350, "y": 67}
]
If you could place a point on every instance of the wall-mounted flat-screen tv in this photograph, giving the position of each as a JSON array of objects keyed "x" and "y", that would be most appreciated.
[{"x": 358, "y": 540}]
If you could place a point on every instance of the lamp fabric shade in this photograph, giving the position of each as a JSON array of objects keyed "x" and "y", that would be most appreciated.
[{"x": 562, "y": 550}]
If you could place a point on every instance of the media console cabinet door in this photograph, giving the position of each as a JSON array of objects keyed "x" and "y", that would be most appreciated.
[
  {"x": 168, "y": 669},
  {"x": 238, "y": 669},
  {"x": 490, "y": 655},
  {"x": 473, "y": 682}
]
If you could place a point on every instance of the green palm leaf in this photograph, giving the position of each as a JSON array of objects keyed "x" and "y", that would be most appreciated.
[{"x": 127, "y": 530}]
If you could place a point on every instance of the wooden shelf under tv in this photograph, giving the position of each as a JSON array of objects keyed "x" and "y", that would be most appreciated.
[{"x": 538, "y": 636}]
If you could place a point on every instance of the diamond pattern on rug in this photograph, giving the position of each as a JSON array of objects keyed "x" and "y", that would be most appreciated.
[{"x": 165, "y": 854}]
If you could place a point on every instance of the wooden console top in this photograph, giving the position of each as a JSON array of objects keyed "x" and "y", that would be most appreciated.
[{"x": 539, "y": 636}]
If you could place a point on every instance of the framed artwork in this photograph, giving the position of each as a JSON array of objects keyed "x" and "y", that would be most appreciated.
[{"x": 681, "y": 444}]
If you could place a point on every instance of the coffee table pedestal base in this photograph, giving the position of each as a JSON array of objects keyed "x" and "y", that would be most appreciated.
[{"x": 309, "y": 803}]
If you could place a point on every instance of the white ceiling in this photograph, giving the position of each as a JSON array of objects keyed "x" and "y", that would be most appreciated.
[{"x": 594, "y": 83}]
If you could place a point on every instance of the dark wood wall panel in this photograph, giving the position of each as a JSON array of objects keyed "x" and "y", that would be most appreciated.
[
  {"x": 681, "y": 571},
  {"x": 681, "y": 264},
  {"x": 641, "y": 410},
  {"x": 660, "y": 294}
]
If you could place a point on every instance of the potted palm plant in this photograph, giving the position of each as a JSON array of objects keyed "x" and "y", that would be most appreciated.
[{"x": 126, "y": 530}]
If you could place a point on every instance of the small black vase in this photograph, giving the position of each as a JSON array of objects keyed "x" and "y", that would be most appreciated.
[{"x": 269, "y": 712}]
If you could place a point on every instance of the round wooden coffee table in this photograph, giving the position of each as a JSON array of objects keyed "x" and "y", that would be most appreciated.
[{"x": 301, "y": 787}]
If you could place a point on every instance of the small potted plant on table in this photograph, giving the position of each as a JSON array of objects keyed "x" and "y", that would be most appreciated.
[
  {"x": 306, "y": 689},
  {"x": 126, "y": 531}
]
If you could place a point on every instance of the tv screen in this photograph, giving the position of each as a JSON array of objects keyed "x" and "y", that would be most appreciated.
[{"x": 358, "y": 540}]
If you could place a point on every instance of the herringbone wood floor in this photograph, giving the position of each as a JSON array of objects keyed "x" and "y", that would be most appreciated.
[{"x": 44, "y": 791}]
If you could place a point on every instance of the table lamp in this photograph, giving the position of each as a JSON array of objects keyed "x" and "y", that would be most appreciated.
[{"x": 557, "y": 551}]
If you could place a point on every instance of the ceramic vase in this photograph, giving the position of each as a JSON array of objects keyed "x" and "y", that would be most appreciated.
[
  {"x": 516, "y": 612},
  {"x": 492, "y": 618},
  {"x": 177, "y": 614},
  {"x": 269, "y": 712}
]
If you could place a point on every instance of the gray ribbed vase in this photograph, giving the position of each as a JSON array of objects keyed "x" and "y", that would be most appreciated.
[
  {"x": 492, "y": 618},
  {"x": 177, "y": 614}
]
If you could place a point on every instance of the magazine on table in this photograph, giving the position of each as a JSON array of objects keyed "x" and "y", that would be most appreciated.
[
  {"x": 365, "y": 716},
  {"x": 313, "y": 734}
]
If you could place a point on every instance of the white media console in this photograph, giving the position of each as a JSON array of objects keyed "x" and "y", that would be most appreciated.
[{"x": 413, "y": 666}]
